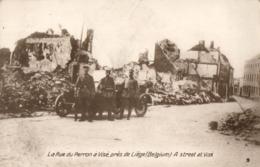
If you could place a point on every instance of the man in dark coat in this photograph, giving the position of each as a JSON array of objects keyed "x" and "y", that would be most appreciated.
[
  {"x": 129, "y": 95},
  {"x": 107, "y": 89},
  {"x": 85, "y": 93}
]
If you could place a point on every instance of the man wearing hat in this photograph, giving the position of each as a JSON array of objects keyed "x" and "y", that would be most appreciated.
[
  {"x": 107, "y": 88},
  {"x": 85, "y": 92},
  {"x": 129, "y": 95}
]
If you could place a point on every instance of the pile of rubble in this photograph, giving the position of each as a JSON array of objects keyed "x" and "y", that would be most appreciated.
[
  {"x": 190, "y": 97},
  {"x": 186, "y": 92},
  {"x": 239, "y": 124},
  {"x": 33, "y": 91}
]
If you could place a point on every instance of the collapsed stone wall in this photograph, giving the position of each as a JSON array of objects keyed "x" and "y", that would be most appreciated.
[
  {"x": 166, "y": 53},
  {"x": 45, "y": 54}
]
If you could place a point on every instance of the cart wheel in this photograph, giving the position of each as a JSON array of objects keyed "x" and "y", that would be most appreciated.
[
  {"x": 116, "y": 110},
  {"x": 61, "y": 108},
  {"x": 141, "y": 106}
]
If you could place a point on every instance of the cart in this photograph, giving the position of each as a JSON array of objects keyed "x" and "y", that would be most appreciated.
[{"x": 65, "y": 103}]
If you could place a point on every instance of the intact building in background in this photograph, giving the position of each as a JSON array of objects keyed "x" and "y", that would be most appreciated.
[{"x": 251, "y": 81}]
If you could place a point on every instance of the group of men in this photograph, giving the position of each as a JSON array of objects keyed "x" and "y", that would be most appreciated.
[{"x": 86, "y": 96}]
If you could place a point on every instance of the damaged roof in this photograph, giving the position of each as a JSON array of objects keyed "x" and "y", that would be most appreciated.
[{"x": 199, "y": 47}]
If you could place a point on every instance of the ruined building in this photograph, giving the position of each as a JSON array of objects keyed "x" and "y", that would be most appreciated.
[
  {"x": 212, "y": 67},
  {"x": 207, "y": 66},
  {"x": 42, "y": 52},
  {"x": 45, "y": 54},
  {"x": 47, "y": 51},
  {"x": 165, "y": 56}
]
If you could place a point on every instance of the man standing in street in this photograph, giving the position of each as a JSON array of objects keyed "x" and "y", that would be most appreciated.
[
  {"x": 107, "y": 88},
  {"x": 85, "y": 92},
  {"x": 129, "y": 95}
]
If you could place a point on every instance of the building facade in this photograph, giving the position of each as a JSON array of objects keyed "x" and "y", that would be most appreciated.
[
  {"x": 251, "y": 81},
  {"x": 212, "y": 67}
]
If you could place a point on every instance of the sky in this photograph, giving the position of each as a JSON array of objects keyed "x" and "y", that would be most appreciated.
[{"x": 124, "y": 28}]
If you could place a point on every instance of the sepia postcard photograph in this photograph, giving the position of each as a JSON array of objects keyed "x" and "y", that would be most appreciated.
[{"x": 129, "y": 83}]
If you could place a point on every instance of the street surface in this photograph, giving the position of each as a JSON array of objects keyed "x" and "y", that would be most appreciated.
[{"x": 41, "y": 141}]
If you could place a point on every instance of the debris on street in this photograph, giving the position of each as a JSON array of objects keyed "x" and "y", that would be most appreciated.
[
  {"x": 183, "y": 95},
  {"x": 239, "y": 123},
  {"x": 243, "y": 125},
  {"x": 213, "y": 125},
  {"x": 27, "y": 92}
]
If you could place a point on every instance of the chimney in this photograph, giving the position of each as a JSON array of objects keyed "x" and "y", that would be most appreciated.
[
  {"x": 89, "y": 40},
  {"x": 202, "y": 42},
  {"x": 212, "y": 45}
]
